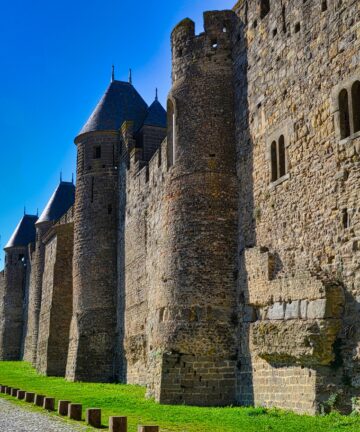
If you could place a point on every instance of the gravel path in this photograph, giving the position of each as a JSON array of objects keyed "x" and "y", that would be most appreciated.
[{"x": 17, "y": 419}]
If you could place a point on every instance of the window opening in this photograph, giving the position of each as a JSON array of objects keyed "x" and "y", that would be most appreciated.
[
  {"x": 344, "y": 114},
  {"x": 355, "y": 96}
]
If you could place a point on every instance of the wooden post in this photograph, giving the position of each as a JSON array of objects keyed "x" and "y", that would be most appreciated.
[
  {"x": 75, "y": 411},
  {"x": 148, "y": 429},
  {"x": 39, "y": 400},
  {"x": 63, "y": 407},
  {"x": 49, "y": 403},
  {"x": 118, "y": 424},
  {"x": 93, "y": 417}
]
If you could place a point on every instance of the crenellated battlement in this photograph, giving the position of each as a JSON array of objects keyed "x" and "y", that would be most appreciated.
[{"x": 214, "y": 43}]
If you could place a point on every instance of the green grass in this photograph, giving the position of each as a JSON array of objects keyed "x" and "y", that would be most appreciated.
[{"x": 128, "y": 400}]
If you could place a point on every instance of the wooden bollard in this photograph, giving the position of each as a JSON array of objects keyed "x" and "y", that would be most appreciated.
[
  {"x": 3, "y": 389},
  {"x": 29, "y": 397},
  {"x": 148, "y": 429},
  {"x": 49, "y": 403},
  {"x": 21, "y": 394},
  {"x": 8, "y": 390},
  {"x": 75, "y": 411},
  {"x": 39, "y": 400},
  {"x": 14, "y": 392},
  {"x": 93, "y": 417},
  {"x": 63, "y": 407},
  {"x": 117, "y": 424}
]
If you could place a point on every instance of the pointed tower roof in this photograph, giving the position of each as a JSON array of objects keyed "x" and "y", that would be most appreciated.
[
  {"x": 156, "y": 115},
  {"x": 120, "y": 102},
  {"x": 60, "y": 202},
  {"x": 24, "y": 233}
]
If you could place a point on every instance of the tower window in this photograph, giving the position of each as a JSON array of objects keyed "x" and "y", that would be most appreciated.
[
  {"x": 323, "y": 5},
  {"x": 344, "y": 114},
  {"x": 355, "y": 96},
  {"x": 345, "y": 218},
  {"x": 264, "y": 8},
  {"x": 273, "y": 162},
  {"x": 278, "y": 159},
  {"x": 97, "y": 152},
  {"x": 92, "y": 189}
]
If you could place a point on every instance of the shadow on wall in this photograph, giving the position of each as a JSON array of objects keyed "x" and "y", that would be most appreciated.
[{"x": 247, "y": 216}]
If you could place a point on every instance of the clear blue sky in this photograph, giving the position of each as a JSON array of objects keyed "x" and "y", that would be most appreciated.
[{"x": 56, "y": 62}]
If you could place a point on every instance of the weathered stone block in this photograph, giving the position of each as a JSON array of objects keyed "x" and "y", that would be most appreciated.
[
  {"x": 93, "y": 417},
  {"x": 117, "y": 424},
  {"x": 276, "y": 311},
  {"x": 292, "y": 310},
  {"x": 316, "y": 309}
]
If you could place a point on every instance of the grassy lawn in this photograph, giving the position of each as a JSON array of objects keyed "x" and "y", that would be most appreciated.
[{"x": 127, "y": 400}]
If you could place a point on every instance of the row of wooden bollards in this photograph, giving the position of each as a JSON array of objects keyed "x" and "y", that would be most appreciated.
[{"x": 73, "y": 411}]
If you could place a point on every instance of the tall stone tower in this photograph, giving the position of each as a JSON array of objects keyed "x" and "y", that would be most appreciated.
[
  {"x": 93, "y": 329},
  {"x": 13, "y": 286},
  {"x": 61, "y": 200},
  {"x": 196, "y": 326}
]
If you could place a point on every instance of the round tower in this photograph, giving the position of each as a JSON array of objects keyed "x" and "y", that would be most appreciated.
[
  {"x": 13, "y": 297},
  {"x": 195, "y": 326},
  {"x": 92, "y": 348}
]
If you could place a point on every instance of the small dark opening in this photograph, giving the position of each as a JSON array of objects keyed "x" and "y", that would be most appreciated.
[
  {"x": 297, "y": 27},
  {"x": 274, "y": 32},
  {"x": 273, "y": 162},
  {"x": 355, "y": 96},
  {"x": 21, "y": 257},
  {"x": 109, "y": 209},
  {"x": 344, "y": 114},
  {"x": 282, "y": 157},
  {"x": 323, "y": 6},
  {"x": 92, "y": 189},
  {"x": 214, "y": 43},
  {"x": 180, "y": 53},
  {"x": 264, "y": 8},
  {"x": 97, "y": 152},
  {"x": 345, "y": 218},
  {"x": 255, "y": 24}
]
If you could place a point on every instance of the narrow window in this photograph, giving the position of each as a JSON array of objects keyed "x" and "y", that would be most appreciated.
[
  {"x": 297, "y": 27},
  {"x": 97, "y": 152},
  {"x": 171, "y": 132},
  {"x": 109, "y": 209},
  {"x": 345, "y": 218},
  {"x": 344, "y": 114},
  {"x": 273, "y": 151},
  {"x": 355, "y": 96},
  {"x": 323, "y": 5},
  {"x": 282, "y": 157},
  {"x": 264, "y": 8},
  {"x": 92, "y": 189}
]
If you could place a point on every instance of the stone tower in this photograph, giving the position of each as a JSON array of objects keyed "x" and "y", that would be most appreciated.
[
  {"x": 195, "y": 328},
  {"x": 61, "y": 200},
  {"x": 13, "y": 289},
  {"x": 93, "y": 329}
]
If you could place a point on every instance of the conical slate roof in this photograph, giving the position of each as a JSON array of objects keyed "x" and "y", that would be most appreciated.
[
  {"x": 120, "y": 102},
  {"x": 156, "y": 115},
  {"x": 60, "y": 202},
  {"x": 24, "y": 233}
]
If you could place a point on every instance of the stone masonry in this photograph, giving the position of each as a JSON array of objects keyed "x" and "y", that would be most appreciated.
[{"x": 211, "y": 252}]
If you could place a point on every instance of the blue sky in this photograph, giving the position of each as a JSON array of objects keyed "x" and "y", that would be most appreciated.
[{"x": 56, "y": 59}]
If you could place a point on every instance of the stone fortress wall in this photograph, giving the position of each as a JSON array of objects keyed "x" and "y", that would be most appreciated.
[
  {"x": 219, "y": 265},
  {"x": 291, "y": 63}
]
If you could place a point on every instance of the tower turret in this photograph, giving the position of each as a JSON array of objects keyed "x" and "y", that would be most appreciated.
[
  {"x": 13, "y": 289},
  {"x": 194, "y": 330},
  {"x": 93, "y": 328}
]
